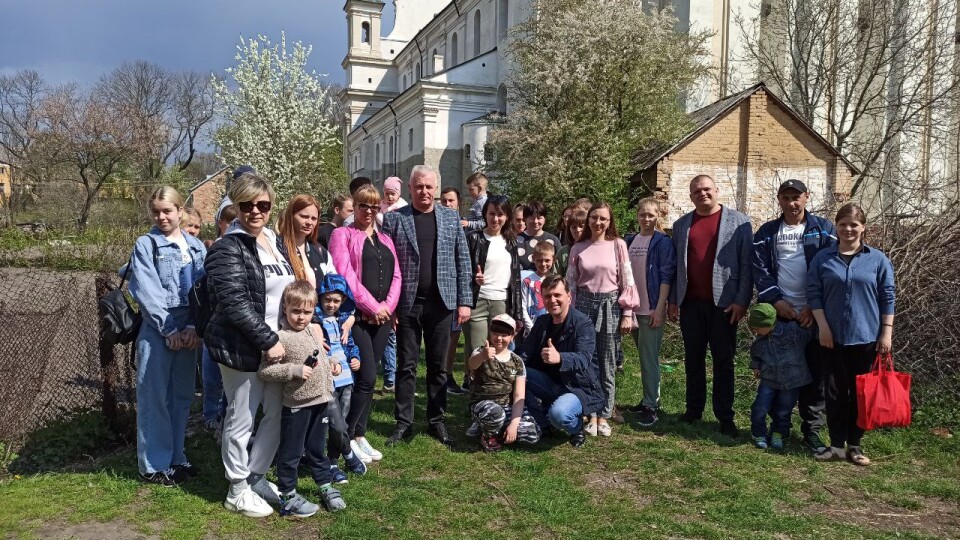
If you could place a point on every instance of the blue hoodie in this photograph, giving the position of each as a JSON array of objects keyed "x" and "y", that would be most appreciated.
[{"x": 333, "y": 327}]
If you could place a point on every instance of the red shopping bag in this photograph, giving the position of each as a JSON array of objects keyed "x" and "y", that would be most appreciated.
[{"x": 883, "y": 396}]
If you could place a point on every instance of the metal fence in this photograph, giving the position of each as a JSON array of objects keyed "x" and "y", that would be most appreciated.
[{"x": 50, "y": 356}]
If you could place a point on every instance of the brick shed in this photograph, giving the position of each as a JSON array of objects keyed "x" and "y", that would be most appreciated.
[
  {"x": 749, "y": 143},
  {"x": 206, "y": 195}
]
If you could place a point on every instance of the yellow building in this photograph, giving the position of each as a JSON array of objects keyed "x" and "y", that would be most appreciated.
[{"x": 5, "y": 183}]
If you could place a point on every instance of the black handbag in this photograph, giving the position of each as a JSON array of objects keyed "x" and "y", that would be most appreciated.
[{"x": 120, "y": 317}]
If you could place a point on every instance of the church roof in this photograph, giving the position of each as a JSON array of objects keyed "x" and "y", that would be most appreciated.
[{"x": 702, "y": 119}]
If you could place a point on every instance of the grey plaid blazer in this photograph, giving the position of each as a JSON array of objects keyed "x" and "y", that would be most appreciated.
[
  {"x": 732, "y": 270},
  {"x": 453, "y": 257}
]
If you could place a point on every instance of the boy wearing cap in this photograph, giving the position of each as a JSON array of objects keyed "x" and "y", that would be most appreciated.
[
  {"x": 497, "y": 389},
  {"x": 782, "y": 251},
  {"x": 391, "y": 195},
  {"x": 777, "y": 359}
]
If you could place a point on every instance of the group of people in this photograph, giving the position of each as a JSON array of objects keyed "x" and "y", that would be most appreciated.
[{"x": 300, "y": 318}]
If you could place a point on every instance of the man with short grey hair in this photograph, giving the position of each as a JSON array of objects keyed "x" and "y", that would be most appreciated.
[{"x": 435, "y": 265}]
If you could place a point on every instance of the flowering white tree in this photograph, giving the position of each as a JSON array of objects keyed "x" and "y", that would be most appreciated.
[
  {"x": 277, "y": 119},
  {"x": 593, "y": 82}
]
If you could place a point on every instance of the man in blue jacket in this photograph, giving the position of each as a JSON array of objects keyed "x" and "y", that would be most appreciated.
[
  {"x": 782, "y": 251},
  {"x": 563, "y": 378}
]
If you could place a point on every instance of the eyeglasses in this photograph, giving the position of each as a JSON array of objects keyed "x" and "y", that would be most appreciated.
[
  {"x": 368, "y": 207},
  {"x": 247, "y": 206}
]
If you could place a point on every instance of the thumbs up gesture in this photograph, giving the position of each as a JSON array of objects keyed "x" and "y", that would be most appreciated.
[
  {"x": 479, "y": 276},
  {"x": 550, "y": 354},
  {"x": 489, "y": 352}
]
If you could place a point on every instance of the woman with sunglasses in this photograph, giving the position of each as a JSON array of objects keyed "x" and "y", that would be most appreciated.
[
  {"x": 246, "y": 275},
  {"x": 368, "y": 260},
  {"x": 496, "y": 263}
]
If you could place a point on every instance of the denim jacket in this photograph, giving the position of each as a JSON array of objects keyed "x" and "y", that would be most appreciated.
[
  {"x": 781, "y": 356},
  {"x": 160, "y": 282},
  {"x": 661, "y": 264}
]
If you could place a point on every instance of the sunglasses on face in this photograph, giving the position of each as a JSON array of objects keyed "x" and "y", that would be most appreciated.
[
  {"x": 368, "y": 207},
  {"x": 247, "y": 206}
]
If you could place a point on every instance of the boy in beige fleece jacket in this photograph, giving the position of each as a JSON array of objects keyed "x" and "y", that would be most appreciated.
[{"x": 308, "y": 386}]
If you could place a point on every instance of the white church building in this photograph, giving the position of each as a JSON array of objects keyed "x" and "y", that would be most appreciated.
[{"x": 430, "y": 90}]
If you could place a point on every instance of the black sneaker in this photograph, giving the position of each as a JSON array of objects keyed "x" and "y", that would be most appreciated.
[
  {"x": 814, "y": 443},
  {"x": 728, "y": 428},
  {"x": 578, "y": 439},
  {"x": 689, "y": 417},
  {"x": 455, "y": 390},
  {"x": 168, "y": 478},
  {"x": 647, "y": 416},
  {"x": 636, "y": 409},
  {"x": 190, "y": 469}
]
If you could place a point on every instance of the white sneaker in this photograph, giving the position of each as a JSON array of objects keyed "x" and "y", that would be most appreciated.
[
  {"x": 266, "y": 490},
  {"x": 364, "y": 457},
  {"x": 591, "y": 428},
  {"x": 369, "y": 450},
  {"x": 604, "y": 429},
  {"x": 248, "y": 503}
]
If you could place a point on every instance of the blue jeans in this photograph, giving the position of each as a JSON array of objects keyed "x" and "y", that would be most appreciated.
[
  {"x": 214, "y": 403},
  {"x": 778, "y": 404},
  {"x": 390, "y": 360},
  {"x": 165, "y": 384},
  {"x": 548, "y": 401}
]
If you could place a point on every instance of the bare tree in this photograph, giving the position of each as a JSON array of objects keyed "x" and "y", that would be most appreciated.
[
  {"x": 870, "y": 75},
  {"x": 168, "y": 112},
  {"x": 21, "y": 98},
  {"x": 83, "y": 140}
]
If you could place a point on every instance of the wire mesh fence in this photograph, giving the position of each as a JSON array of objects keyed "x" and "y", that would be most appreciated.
[{"x": 51, "y": 362}]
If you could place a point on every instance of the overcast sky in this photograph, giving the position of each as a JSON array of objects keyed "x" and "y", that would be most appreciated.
[{"x": 80, "y": 40}]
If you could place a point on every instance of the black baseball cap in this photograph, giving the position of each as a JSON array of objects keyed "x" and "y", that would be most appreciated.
[{"x": 792, "y": 184}]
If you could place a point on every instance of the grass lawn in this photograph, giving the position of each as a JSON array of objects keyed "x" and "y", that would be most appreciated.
[{"x": 672, "y": 481}]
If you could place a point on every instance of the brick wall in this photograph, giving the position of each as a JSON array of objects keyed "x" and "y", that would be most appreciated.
[
  {"x": 749, "y": 152},
  {"x": 206, "y": 199}
]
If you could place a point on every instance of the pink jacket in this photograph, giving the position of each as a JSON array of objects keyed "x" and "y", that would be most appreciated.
[{"x": 346, "y": 246}]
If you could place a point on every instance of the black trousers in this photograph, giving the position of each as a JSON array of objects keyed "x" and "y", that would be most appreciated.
[
  {"x": 371, "y": 339},
  {"x": 812, "y": 404},
  {"x": 702, "y": 324},
  {"x": 841, "y": 365},
  {"x": 428, "y": 322},
  {"x": 303, "y": 432}
]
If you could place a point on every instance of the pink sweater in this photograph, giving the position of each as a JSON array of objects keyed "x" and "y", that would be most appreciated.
[
  {"x": 593, "y": 266},
  {"x": 346, "y": 247}
]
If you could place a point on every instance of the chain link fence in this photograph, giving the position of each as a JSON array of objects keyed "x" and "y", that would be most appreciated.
[{"x": 51, "y": 360}]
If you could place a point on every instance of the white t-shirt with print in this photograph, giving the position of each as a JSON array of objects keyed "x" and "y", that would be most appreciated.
[
  {"x": 277, "y": 273},
  {"x": 792, "y": 264}
]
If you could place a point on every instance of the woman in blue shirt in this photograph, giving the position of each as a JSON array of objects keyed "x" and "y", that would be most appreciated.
[
  {"x": 851, "y": 291},
  {"x": 165, "y": 264}
]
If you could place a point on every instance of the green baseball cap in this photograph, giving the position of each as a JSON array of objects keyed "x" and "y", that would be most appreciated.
[{"x": 762, "y": 316}]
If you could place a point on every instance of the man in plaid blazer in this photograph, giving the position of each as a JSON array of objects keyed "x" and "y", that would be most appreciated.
[
  {"x": 435, "y": 264},
  {"x": 712, "y": 291}
]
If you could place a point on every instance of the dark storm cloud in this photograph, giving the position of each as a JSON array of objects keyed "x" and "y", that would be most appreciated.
[{"x": 79, "y": 40}]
